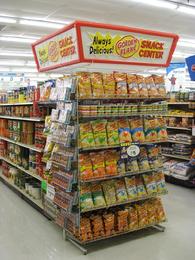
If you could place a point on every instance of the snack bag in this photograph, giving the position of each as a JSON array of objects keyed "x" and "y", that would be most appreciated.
[
  {"x": 160, "y": 182},
  {"x": 98, "y": 165},
  {"x": 122, "y": 220},
  {"x": 109, "y": 84},
  {"x": 143, "y": 159},
  {"x": 143, "y": 90},
  {"x": 99, "y": 132},
  {"x": 97, "y": 226},
  {"x": 109, "y": 223},
  {"x": 160, "y": 213},
  {"x": 124, "y": 131},
  {"x": 84, "y": 85},
  {"x": 160, "y": 84},
  {"x": 141, "y": 191},
  {"x": 132, "y": 165},
  {"x": 86, "y": 135},
  {"x": 152, "y": 88},
  {"x": 133, "y": 218},
  {"x": 150, "y": 183},
  {"x": 133, "y": 89},
  {"x": 97, "y": 84},
  {"x": 151, "y": 210},
  {"x": 121, "y": 166},
  {"x": 142, "y": 214},
  {"x": 153, "y": 155},
  {"x": 112, "y": 132},
  {"x": 137, "y": 131},
  {"x": 131, "y": 187},
  {"x": 161, "y": 129},
  {"x": 86, "y": 198},
  {"x": 121, "y": 83},
  {"x": 85, "y": 167},
  {"x": 150, "y": 129},
  {"x": 109, "y": 192},
  {"x": 85, "y": 229},
  {"x": 97, "y": 194},
  {"x": 111, "y": 158},
  {"x": 121, "y": 192}
]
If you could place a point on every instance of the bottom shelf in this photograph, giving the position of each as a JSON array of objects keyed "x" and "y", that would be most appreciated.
[
  {"x": 10, "y": 183},
  {"x": 184, "y": 183}
]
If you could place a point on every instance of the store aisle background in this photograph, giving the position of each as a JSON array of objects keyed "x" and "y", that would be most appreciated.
[{"x": 27, "y": 235}]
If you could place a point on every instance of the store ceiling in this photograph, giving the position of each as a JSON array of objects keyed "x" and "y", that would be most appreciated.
[{"x": 124, "y": 12}]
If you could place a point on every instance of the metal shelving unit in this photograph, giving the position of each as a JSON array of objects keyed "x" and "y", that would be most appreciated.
[{"x": 31, "y": 119}]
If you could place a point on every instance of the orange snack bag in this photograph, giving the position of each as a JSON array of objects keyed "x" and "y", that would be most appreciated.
[
  {"x": 109, "y": 222},
  {"x": 160, "y": 84},
  {"x": 86, "y": 135},
  {"x": 111, "y": 158},
  {"x": 85, "y": 166},
  {"x": 84, "y": 84},
  {"x": 122, "y": 220},
  {"x": 97, "y": 226},
  {"x": 150, "y": 129},
  {"x": 143, "y": 90},
  {"x": 133, "y": 89},
  {"x": 133, "y": 218},
  {"x": 124, "y": 131},
  {"x": 142, "y": 214},
  {"x": 85, "y": 229},
  {"x": 109, "y": 84},
  {"x": 97, "y": 84},
  {"x": 121, "y": 83},
  {"x": 98, "y": 165},
  {"x": 152, "y": 88},
  {"x": 160, "y": 213},
  {"x": 151, "y": 212},
  {"x": 137, "y": 130}
]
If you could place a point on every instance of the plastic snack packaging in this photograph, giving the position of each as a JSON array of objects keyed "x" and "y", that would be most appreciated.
[
  {"x": 48, "y": 148},
  {"x": 161, "y": 129},
  {"x": 150, "y": 129},
  {"x": 97, "y": 226},
  {"x": 97, "y": 194},
  {"x": 160, "y": 84},
  {"x": 150, "y": 183},
  {"x": 132, "y": 165},
  {"x": 121, "y": 166},
  {"x": 121, "y": 83},
  {"x": 85, "y": 229},
  {"x": 143, "y": 90},
  {"x": 151, "y": 210},
  {"x": 133, "y": 89},
  {"x": 112, "y": 132},
  {"x": 122, "y": 220},
  {"x": 137, "y": 131},
  {"x": 98, "y": 165},
  {"x": 133, "y": 218},
  {"x": 109, "y": 85},
  {"x": 86, "y": 197},
  {"x": 97, "y": 84},
  {"x": 85, "y": 167},
  {"x": 86, "y": 135},
  {"x": 99, "y": 132},
  {"x": 109, "y": 192},
  {"x": 142, "y": 214},
  {"x": 160, "y": 213},
  {"x": 111, "y": 158},
  {"x": 160, "y": 182},
  {"x": 121, "y": 192},
  {"x": 152, "y": 88},
  {"x": 131, "y": 187},
  {"x": 84, "y": 85},
  {"x": 143, "y": 159},
  {"x": 124, "y": 131},
  {"x": 141, "y": 191},
  {"x": 109, "y": 223}
]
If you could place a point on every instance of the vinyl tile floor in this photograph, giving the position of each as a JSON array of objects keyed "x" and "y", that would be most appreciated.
[{"x": 27, "y": 235}]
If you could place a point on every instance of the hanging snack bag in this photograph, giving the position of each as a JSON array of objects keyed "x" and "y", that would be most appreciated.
[
  {"x": 150, "y": 129},
  {"x": 121, "y": 84},
  {"x": 137, "y": 130},
  {"x": 160, "y": 84},
  {"x": 160, "y": 213},
  {"x": 99, "y": 132},
  {"x": 97, "y": 84},
  {"x": 141, "y": 191},
  {"x": 160, "y": 182},
  {"x": 98, "y": 165},
  {"x": 132, "y": 164},
  {"x": 97, "y": 194},
  {"x": 152, "y": 88},
  {"x": 142, "y": 214},
  {"x": 86, "y": 198},
  {"x": 150, "y": 183},
  {"x": 121, "y": 192},
  {"x": 133, "y": 218},
  {"x": 109, "y": 192},
  {"x": 86, "y": 135},
  {"x": 109, "y": 85},
  {"x": 85, "y": 167},
  {"x": 133, "y": 89},
  {"x": 112, "y": 132},
  {"x": 131, "y": 187},
  {"x": 161, "y": 129},
  {"x": 111, "y": 158},
  {"x": 143, "y": 90},
  {"x": 84, "y": 85},
  {"x": 143, "y": 160},
  {"x": 124, "y": 131}
]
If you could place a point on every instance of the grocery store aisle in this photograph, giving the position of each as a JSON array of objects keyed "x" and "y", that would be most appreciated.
[{"x": 26, "y": 235}]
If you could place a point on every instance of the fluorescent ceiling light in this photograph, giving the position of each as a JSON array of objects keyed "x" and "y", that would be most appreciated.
[
  {"x": 23, "y": 70},
  {"x": 15, "y": 54},
  {"x": 12, "y": 63},
  {"x": 186, "y": 44},
  {"x": 3, "y": 69},
  {"x": 7, "y": 20},
  {"x": 16, "y": 39},
  {"x": 186, "y": 10},
  {"x": 157, "y": 3},
  {"x": 41, "y": 23}
]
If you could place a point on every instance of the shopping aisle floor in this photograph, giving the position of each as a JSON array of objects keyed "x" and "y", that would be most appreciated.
[{"x": 26, "y": 235}]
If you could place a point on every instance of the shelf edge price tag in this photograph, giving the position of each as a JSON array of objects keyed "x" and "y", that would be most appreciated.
[{"x": 133, "y": 150}]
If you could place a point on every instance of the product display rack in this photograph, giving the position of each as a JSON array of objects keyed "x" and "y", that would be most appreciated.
[{"x": 31, "y": 119}]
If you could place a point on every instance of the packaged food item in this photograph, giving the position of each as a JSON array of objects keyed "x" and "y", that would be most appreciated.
[
  {"x": 109, "y": 192},
  {"x": 143, "y": 90},
  {"x": 121, "y": 83},
  {"x": 111, "y": 158},
  {"x": 150, "y": 129},
  {"x": 152, "y": 88},
  {"x": 109, "y": 223},
  {"x": 84, "y": 85},
  {"x": 97, "y": 226},
  {"x": 143, "y": 159},
  {"x": 142, "y": 214},
  {"x": 151, "y": 210},
  {"x": 133, "y": 89},
  {"x": 132, "y": 165},
  {"x": 97, "y": 84},
  {"x": 121, "y": 192},
  {"x": 122, "y": 220},
  {"x": 48, "y": 148},
  {"x": 160, "y": 213},
  {"x": 141, "y": 191},
  {"x": 160, "y": 182},
  {"x": 97, "y": 194},
  {"x": 112, "y": 132},
  {"x": 99, "y": 132},
  {"x": 109, "y": 84},
  {"x": 86, "y": 201},
  {"x": 160, "y": 84},
  {"x": 86, "y": 135},
  {"x": 133, "y": 218},
  {"x": 124, "y": 131},
  {"x": 131, "y": 187},
  {"x": 150, "y": 183},
  {"x": 85, "y": 229},
  {"x": 161, "y": 129},
  {"x": 98, "y": 164},
  {"x": 121, "y": 166},
  {"x": 85, "y": 167},
  {"x": 137, "y": 131}
]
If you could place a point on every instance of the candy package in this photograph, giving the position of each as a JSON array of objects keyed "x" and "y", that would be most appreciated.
[
  {"x": 86, "y": 198},
  {"x": 133, "y": 218},
  {"x": 131, "y": 187},
  {"x": 97, "y": 84},
  {"x": 85, "y": 167},
  {"x": 141, "y": 191},
  {"x": 84, "y": 85},
  {"x": 137, "y": 130},
  {"x": 121, "y": 83},
  {"x": 132, "y": 86},
  {"x": 99, "y": 132},
  {"x": 150, "y": 183},
  {"x": 121, "y": 192},
  {"x": 86, "y": 135},
  {"x": 97, "y": 194},
  {"x": 98, "y": 164},
  {"x": 143, "y": 90},
  {"x": 109, "y": 84},
  {"x": 109, "y": 192}
]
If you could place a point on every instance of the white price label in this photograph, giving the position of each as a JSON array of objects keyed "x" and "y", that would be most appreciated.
[
  {"x": 133, "y": 150},
  {"x": 50, "y": 192}
]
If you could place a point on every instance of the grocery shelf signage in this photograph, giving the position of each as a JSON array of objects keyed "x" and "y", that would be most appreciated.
[
  {"x": 87, "y": 42},
  {"x": 191, "y": 66}
]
